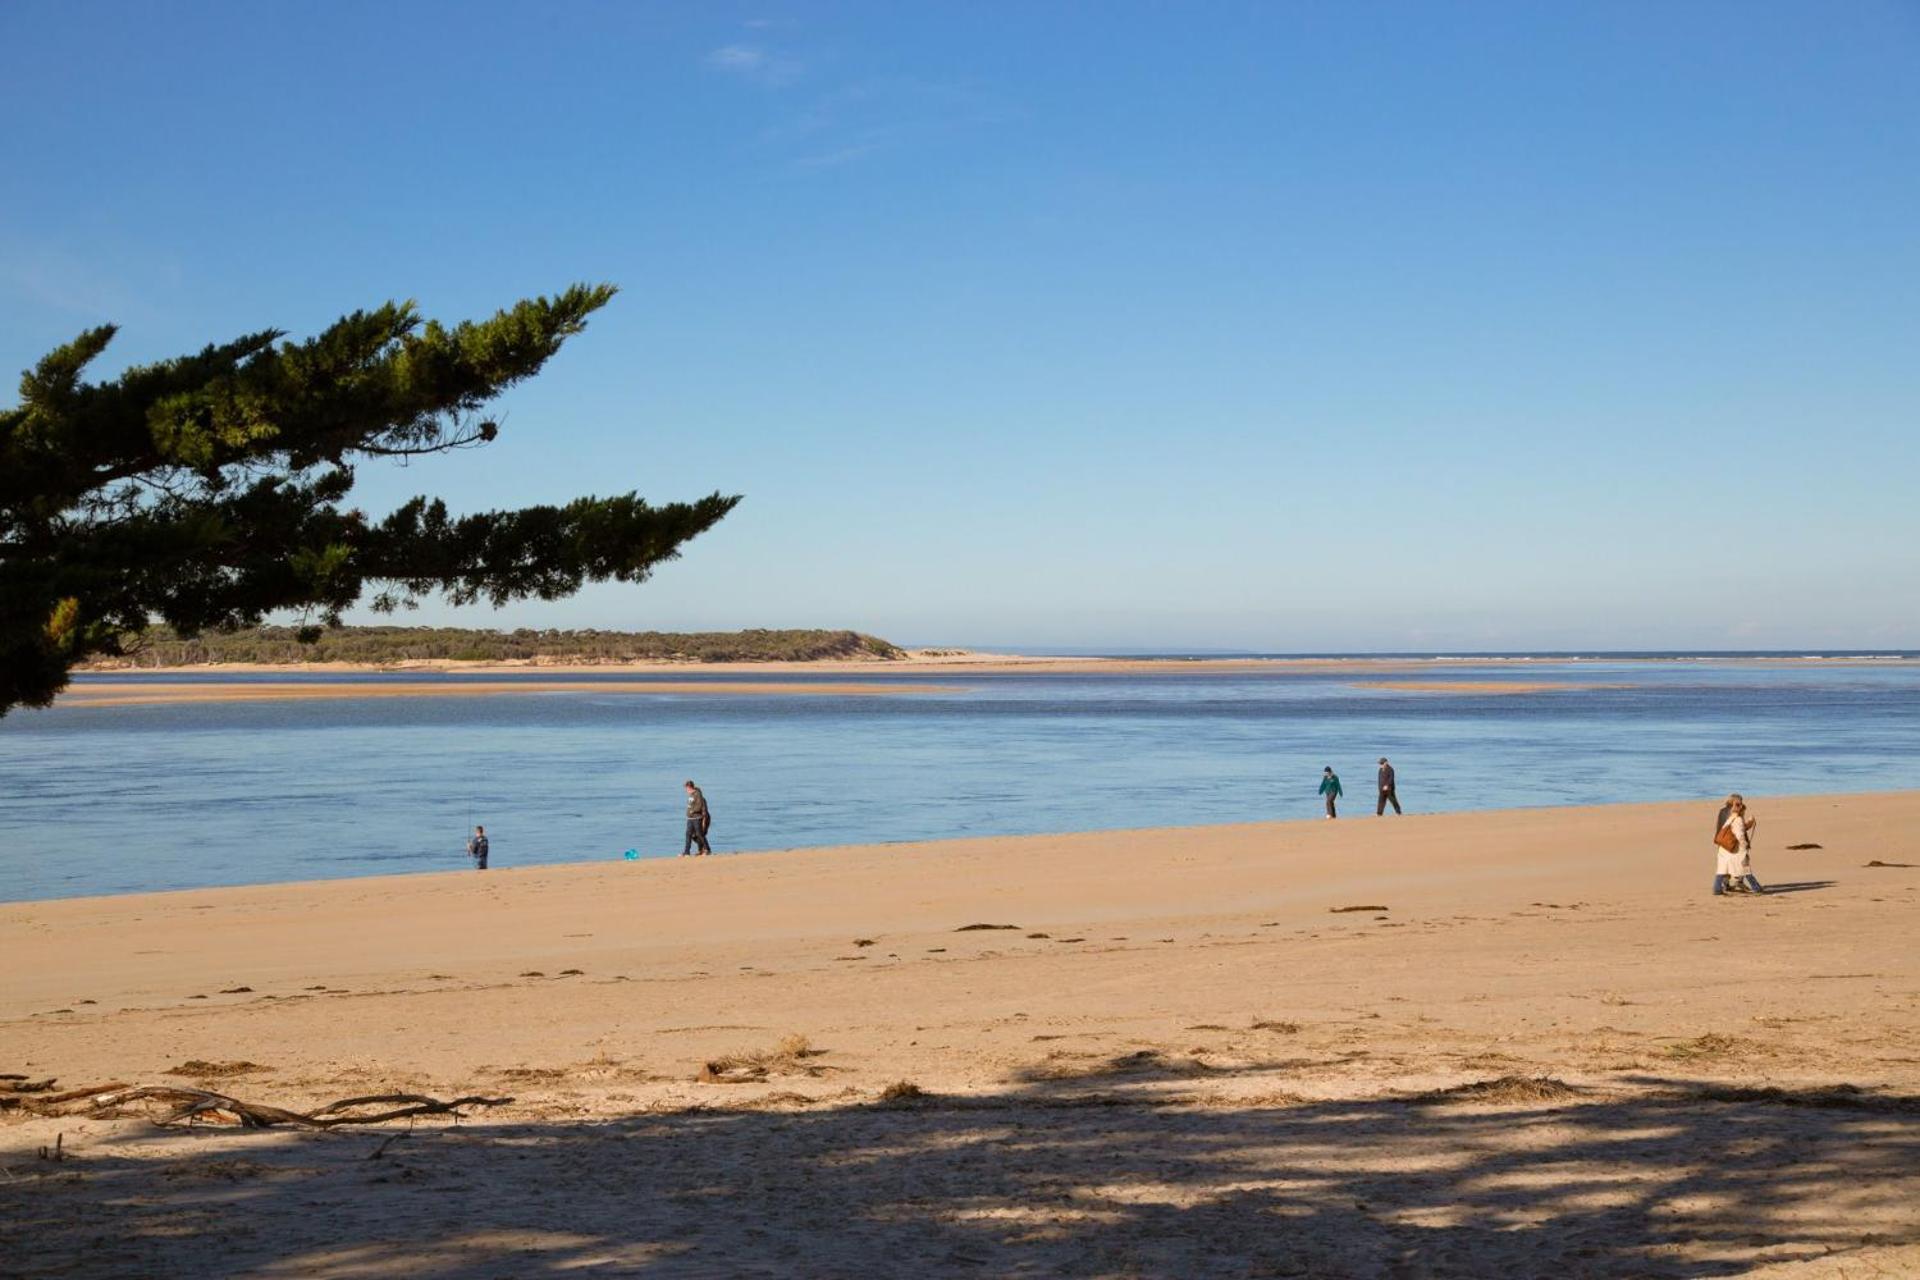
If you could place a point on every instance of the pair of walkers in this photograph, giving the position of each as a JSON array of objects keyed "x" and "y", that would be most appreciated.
[
  {"x": 1331, "y": 792},
  {"x": 699, "y": 822}
]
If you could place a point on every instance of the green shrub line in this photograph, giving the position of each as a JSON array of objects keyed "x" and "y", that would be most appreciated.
[{"x": 160, "y": 647}]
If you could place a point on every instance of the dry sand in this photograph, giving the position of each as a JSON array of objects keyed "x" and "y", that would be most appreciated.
[{"x": 1185, "y": 1059}]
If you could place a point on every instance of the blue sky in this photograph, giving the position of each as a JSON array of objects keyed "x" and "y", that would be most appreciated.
[{"x": 1283, "y": 327}]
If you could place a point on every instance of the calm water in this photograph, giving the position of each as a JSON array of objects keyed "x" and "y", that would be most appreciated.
[{"x": 111, "y": 800}]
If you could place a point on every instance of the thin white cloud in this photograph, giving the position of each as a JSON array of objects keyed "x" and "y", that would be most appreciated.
[
  {"x": 843, "y": 155},
  {"x": 863, "y": 119},
  {"x": 757, "y": 63},
  {"x": 738, "y": 57}
]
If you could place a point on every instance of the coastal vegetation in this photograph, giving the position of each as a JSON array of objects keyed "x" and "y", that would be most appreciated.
[
  {"x": 210, "y": 492},
  {"x": 163, "y": 647}
]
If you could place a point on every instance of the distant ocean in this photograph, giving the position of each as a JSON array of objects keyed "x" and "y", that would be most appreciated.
[{"x": 97, "y": 800}]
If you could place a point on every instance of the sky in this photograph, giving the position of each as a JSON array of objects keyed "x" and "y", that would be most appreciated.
[{"x": 1098, "y": 327}]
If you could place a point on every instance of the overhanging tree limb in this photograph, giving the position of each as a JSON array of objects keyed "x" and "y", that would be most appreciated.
[{"x": 207, "y": 491}]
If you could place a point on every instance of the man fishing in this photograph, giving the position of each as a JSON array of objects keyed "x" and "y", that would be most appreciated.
[{"x": 477, "y": 848}]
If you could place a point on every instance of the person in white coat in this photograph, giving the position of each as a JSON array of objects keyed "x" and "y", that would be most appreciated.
[{"x": 1735, "y": 865}]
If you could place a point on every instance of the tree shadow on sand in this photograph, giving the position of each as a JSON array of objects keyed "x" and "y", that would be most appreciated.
[{"x": 1105, "y": 1175}]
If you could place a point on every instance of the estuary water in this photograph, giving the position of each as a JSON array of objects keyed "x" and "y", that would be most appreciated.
[{"x": 98, "y": 800}]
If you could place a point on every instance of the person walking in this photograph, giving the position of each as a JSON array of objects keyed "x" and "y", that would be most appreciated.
[
  {"x": 1387, "y": 796},
  {"x": 1733, "y": 848},
  {"x": 477, "y": 848},
  {"x": 698, "y": 820},
  {"x": 1330, "y": 788}
]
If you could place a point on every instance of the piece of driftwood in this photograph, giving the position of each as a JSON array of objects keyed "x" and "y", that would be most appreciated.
[
  {"x": 20, "y": 1084},
  {"x": 195, "y": 1105},
  {"x": 51, "y": 1104}
]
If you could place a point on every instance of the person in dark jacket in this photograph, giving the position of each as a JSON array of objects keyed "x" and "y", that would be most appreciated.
[
  {"x": 1387, "y": 796},
  {"x": 698, "y": 820},
  {"x": 1330, "y": 788},
  {"x": 477, "y": 848}
]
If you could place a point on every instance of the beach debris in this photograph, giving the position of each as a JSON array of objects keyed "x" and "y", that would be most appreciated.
[
  {"x": 572, "y": 973},
  {"x": 970, "y": 928},
  {"x": 1338, "y": 910},
  {"x": 788, "y": 1057},
  {"x": 1504, "y": 1089},
  {"x": 1154, "y": 1060},
  {"x": 533, "y": 973},
  {"x": 58, "y": 1151},
  {"x": 1710, "y": 1045},
  {"x": 235, "y": 991},
  {"x": 1877, "y": 863},
  {"x": 193, "y": 1106},
  {"x": 1033, "y": 936},
  {"x": 863, "y": 942},
  {"x": 1278, "y": 1028},
  {"x": 388, "y": 1141},
  {"x": 1804, "y": 846},
  {"x": 202, "y": 1070},
  {"x": 42, "y": 1102},
  {"x": 21, "y": 1084},
  {"x": 903, "y": 1093}
]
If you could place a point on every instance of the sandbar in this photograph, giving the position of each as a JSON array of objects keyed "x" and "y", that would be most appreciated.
[{"x": 131, "y": 694}]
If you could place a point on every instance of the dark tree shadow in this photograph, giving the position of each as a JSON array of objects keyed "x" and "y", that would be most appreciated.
[{"x": 1113, "y": 1180}]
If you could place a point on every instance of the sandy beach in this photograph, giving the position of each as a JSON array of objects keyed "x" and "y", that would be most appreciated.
[{"x": 1505, "y": 1043}]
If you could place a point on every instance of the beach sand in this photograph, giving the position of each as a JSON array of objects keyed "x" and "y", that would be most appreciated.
[{"x": 1500, "y": 1044}]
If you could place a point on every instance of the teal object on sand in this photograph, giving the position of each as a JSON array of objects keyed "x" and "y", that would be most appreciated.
[{"x": 631, "y": 855}]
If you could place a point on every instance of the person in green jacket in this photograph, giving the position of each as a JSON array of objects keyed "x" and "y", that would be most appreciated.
[{"x": 1330, "y": 788}]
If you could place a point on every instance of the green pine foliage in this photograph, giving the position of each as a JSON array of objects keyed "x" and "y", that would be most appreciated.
[
  {"x": 161, "y": 647},
  {"x": 209, "y": 491}
]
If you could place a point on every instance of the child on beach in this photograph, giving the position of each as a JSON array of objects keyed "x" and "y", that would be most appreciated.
[{"x": 1734, "y": 866}]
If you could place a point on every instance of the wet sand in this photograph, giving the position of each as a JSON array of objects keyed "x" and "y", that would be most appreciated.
[{"x": 1506, "y": 1043}]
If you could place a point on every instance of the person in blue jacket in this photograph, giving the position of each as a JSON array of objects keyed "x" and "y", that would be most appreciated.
[{"x": 1330, "y": 788}]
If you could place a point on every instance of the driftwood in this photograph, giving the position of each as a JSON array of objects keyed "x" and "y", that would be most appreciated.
[
  {"x": 194, "y": 1105},
  {"x": 20, "y": 1084},
  {"x": 191, "y": 1105},
  {"x": 41, "y": 1103}
]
